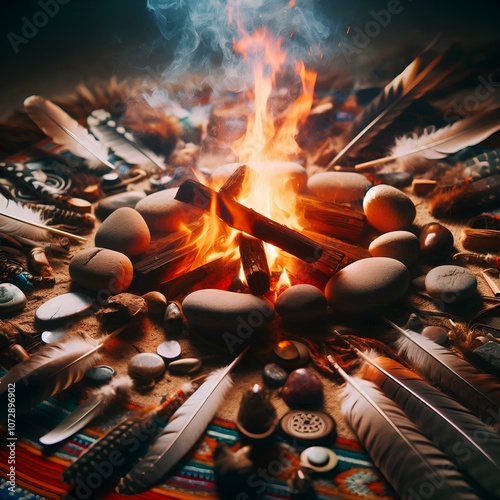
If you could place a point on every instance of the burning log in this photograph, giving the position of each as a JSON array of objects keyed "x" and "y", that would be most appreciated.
[
  {"x": 244, "y": 219},
  {"x": 233, "y": 186},
  {"x": 255, "y": 266},
  {"x": 332, "y": 219}
]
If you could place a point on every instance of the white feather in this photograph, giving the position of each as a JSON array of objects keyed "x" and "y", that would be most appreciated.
[
  {"x": 98, "y": 402},
  {"x": 183, "y": 430},
  {"x": 66, "y": 131},
  {"x": 15, "y": 228}
]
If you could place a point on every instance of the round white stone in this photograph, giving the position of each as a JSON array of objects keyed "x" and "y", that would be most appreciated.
[
  {"x": 339, "y": 187},
  {"x": 400, "y": 245}
]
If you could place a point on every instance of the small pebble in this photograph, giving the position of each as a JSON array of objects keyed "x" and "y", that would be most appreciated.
[
  {"x": 125, "y": 231},
  {"x": 111, "y": 203},
  {"x": 219, "y": 309},
  {"x": 367, "y": 284},
  {"x": 51, "y": 336},
  {"x": 274, "y": 376},
  {"x": 450, "y": 283},
  {"x": 99, "y": 375},
  {"x": 164, "y": 214},
  {"x": 173, "y": 320},
  {"x": 400, "y": 245},
  {"x": 146, "y": 366},
  {"x": 301, "y": 360},
  {"x": 301, "y": 303},
  {"x": 11, "y": 298},
  {"x": 339, "y": 187},
  {"x": 436, "y": 242},
  {"x": 121, "y": 309},
  {"x": 169, "y": 350},
  {"x": 318, "y": 458},
  {"x": 156, "y": 301},
  {"x": 63, "y": 306},
  {"x": 437, "y": 334},
  {"x": 286, "y": 351},
  {"x": 185, "y": 366},
  {"x": 101, "y": 269},
  {"x": 302, "y": 388},
  {"x": 388, "y": 209}
]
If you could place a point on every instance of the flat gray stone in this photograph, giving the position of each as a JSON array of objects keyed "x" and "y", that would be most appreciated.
[
  {"x": 126, "y": 199},
  {"x": 99, "y": 375},
  {"x": 11, "y": 298},
  {"x": 63, "y": 306},
  {"x": 169, "y": 350},
  {"x": 146, "y": 366},
  {"x": 219, "y": 309},
  {"x": 367, "y": 284},
  {"x": 184, "y": 366},
  {"x": 450, "y": 283},
  {"x": 273, "y": 375}
]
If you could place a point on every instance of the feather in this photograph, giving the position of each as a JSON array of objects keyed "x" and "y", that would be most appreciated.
[
  {"x": 66, "y": 131},
  {"x": 129, "y": 437},
  {"x": 411, "y": 84},
  {"x": 472, "y": 445},
  {"x": 15, "y": 227},
  {"x": 476, "y": 390},
  {"x": 50, "y": 370},
  {"x": 183, "y": 430},
  {"x": 120, "y": 141},
  {"x": 411, "y": 463},
  {"x": 98, "y": 402},
  {"x": 413, "y": 151}
]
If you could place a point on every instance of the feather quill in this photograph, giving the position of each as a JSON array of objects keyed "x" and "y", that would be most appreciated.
[
  {"x": 476, "y": 390},
  {"x": 473, "y": 446},
  {"x": 415, "y": 80},
  {"x": 183, "y": 430},
  {"x": 130, "y": 437},
  {"x": 120, "y": 141},
  {"x": 16, "y": 228},
  {"x": 98, "y": 402},
  {"x": 66, "y": 131},
  {"x": 411, "y": 463},
  {"x": 413, "y": 151},
  {"x": 50, "y": 370}
]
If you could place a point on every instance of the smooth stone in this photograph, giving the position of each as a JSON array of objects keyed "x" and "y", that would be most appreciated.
[
  {"x": 318, "y": 458},
  {"x": 146, "y": 365},
  {"x": 301, "y": 360},
  {"x": 400, "y": 245},
  {"x": 99, "y": 375},
  {"x": 173, "y": 320},
  {"x": 111, "y": 203},
  {"x": 156, "y": 301},
  {"x": 388, "y": 209},
  {"x": 185, "y": 366},
  {"x": 101, "y": 269},
  {"x": 301, "y": 303},
  {"x": 164, "y": 214},
  {"x": 437, "y": 334},
  {"x": 290, "y": 173},
  {"x": 436, "y": 242},
  {"x": 125, "y": 231},
  {"x": 219, "y": 309},
  {"x": 339, "y": 187},
  {"x": 273, "y": 375},
  {"x": 450, "y": 283},
  {"x": 51, "y": 336},
  {"x": 302, "y": 388},
  {"x": 286, "y": 351},
  {"x": 63, "y": 306},
  {"x": 11, "y": 298},
  {"x": 367, "y": 284},
  {"x": 317, "y": 455},
  {"x": 169, "y": 350}
]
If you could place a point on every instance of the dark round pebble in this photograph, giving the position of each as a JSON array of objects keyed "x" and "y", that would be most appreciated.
[
  {"x": 302, "y": 388},
  {"x": 99, "y": 375},
  {"x": 274, "y": 376},
  {"x": 436, "y": 242}
]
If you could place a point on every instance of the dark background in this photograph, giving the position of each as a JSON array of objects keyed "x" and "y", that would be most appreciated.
[{"x": 100, "y": 38}]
